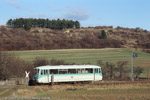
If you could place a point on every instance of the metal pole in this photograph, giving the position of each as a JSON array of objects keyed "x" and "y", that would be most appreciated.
[
  {"x": 132, "y": 78},
  {"x": 147, "y": 73}
]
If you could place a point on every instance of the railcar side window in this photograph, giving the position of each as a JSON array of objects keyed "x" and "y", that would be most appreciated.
[
  {"x": 78, "y": 71},
  {"x": 89, "y": 70},
  {"x": 54, "y": 71},
  {"x": 72, "y": 71},
  {"x": 63, "y": 71},
  {"x": 42, "y": 72}
]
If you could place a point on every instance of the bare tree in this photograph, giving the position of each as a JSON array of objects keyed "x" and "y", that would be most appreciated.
[
  {"x": 5, "y": 62},
  {"x": 103, "y": 66},
  {"x": 107, "y": 69},
  {"x": 137, "y": 71},
  {"x": 11, "y": 65},
  {"x": 110, "y": 67},
  {"x": 122, "y": 68}
]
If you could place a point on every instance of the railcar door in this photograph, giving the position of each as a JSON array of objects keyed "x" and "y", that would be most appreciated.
[{"x": 95, "y": 74}]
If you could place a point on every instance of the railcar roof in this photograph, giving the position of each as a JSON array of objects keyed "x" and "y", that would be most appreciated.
[{"x": 67, "y": 67}]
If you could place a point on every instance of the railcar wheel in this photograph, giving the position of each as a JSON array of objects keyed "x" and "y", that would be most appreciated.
[{"x": 32, "y": 82}]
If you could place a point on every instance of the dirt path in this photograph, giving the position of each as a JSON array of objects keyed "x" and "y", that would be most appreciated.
[{"x": 6, "y": 90}]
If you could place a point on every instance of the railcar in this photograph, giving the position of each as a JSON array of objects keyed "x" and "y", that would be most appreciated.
[{"x": 67, "y": 73}]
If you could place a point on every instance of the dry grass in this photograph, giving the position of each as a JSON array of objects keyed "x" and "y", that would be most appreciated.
[
  {"x": 24, "y": 93},
  {"x": 5, "y": 92},
  {"x": 88, "y": 92}
]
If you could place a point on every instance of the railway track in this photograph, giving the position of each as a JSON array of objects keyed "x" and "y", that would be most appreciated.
[
  {"x": 7, "y": 90},
  {"x": 105, "y": 83},
  {"x": 121, "y": 82}
]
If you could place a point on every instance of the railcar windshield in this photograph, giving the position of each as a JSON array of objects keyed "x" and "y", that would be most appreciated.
[{"x": 37, "y": 71}]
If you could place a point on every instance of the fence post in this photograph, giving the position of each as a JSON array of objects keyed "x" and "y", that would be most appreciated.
[
  {"x": 25, "y": 81},
  {"x": 147, "y": 73}
]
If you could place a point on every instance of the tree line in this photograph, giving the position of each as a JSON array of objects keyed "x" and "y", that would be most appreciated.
[
  {"x": 27, "y": 23},
  {"x": 120, "y": 70}
]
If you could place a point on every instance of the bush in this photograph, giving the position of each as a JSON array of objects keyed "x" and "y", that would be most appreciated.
[
  {"x": 108, "y": 69},
  {"x": 40, "y": 61},
  {"x": 122, "y": 68},
  {"x": 111, "y": 71},
  {"x": 11, "y": 65},
  {"x": 103, "y": 34},
  {"x": 137, "y": 71}
]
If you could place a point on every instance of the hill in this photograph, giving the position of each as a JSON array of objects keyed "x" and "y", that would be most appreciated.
[{"x": 44, "y": 38}]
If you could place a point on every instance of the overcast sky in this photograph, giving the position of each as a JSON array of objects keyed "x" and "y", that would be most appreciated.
[{"x": 125, "y": 13}]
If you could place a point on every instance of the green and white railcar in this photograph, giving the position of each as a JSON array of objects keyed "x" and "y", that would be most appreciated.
[{"x": 67, "y": 73}]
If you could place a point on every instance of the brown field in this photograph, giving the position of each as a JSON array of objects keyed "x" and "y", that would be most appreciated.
[{"x": 102, "y": 91}]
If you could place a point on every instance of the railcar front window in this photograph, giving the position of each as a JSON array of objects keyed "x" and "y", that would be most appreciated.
[
  {"x": 99, "y": 70},
  {"x": 37, "y": 71}
]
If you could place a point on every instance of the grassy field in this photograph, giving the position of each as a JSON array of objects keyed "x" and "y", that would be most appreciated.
[
  {"x": 90, "y": 56},
  {"x": 139, "y": 91},
  {"x": 86, "y": 92},
  {"x": 84, "y": 56}
]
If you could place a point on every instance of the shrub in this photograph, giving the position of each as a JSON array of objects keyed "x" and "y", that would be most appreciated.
[
  {"x": 11, "y": 65},
  {"x": 137, "y": 71},
  {"x": 40, "y": 61},
  {"x": 103, "y": 34},
  {"x": 110, "y": 70}
]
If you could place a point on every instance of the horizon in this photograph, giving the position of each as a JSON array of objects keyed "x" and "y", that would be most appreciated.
[{"x": 126, "y": 14}]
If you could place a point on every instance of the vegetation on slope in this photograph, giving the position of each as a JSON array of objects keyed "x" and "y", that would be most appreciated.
[{"x": 45, "y": 38}]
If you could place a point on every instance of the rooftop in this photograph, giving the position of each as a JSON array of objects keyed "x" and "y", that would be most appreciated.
[{"x": 67, "y": 67}]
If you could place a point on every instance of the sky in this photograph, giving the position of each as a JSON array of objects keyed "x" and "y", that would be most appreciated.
[{"x": 124, "y": 13}]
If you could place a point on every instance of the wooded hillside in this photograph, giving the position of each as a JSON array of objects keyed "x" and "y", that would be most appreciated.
[{"x": 45, "y": 38}]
